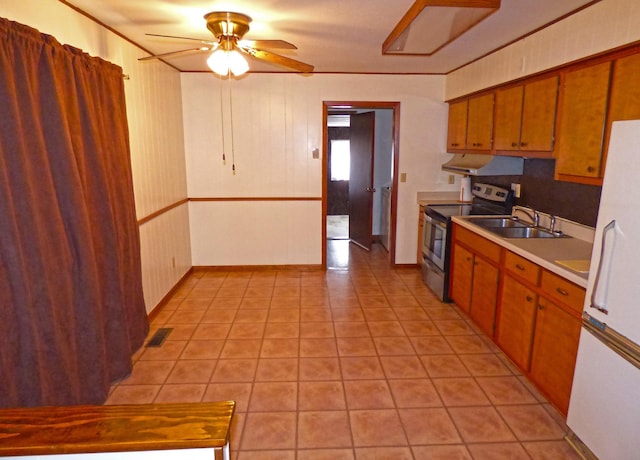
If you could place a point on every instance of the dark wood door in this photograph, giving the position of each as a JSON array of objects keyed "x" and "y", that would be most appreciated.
[{"x": 361, "y": 179}]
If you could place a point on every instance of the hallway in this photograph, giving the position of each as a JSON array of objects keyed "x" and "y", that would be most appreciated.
[{"x": 358, "y": 362}]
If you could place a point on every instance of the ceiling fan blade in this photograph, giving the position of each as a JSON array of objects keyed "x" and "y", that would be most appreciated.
[
  {"x": 207, "y": 42},
  {"x": 176, "y": 53},
  {"x": 272, "y": 44},
  {"x": 278, "y": 59}
]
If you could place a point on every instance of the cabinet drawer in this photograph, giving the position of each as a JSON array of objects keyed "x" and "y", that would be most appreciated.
[
  {"x": 562, "y": 290},
  {"x": 480, "y": 245},
  {"x": 522, "y": 267}
]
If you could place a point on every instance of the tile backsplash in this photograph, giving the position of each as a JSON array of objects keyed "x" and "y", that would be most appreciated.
[{"x": 539, "y": 190}]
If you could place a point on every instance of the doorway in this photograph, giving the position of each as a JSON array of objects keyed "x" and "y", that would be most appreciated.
[{"x": 360, "y": 208}]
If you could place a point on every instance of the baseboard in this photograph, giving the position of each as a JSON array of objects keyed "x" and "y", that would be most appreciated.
[
  {"x": 406, "y": 266},
  {"x": 255, "y": 268},
  {"x": 579, "y": 446},
  {"x": 160, "y": 305}
]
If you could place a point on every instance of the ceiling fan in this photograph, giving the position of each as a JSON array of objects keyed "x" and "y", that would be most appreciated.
[{"x": 226, "y": 51}]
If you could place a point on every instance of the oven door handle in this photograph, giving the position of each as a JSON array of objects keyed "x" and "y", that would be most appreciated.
[{"x": 437, "y": 222}]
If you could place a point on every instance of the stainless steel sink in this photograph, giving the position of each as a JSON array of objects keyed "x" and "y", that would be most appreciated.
[
  {"x": 523, "y": 232},
  {"x": 498, "y": 222}
]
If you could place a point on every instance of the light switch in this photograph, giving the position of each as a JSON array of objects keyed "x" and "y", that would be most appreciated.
[
  {"x": 403, "y": 177},
  {"x": 315, "y": 153}
]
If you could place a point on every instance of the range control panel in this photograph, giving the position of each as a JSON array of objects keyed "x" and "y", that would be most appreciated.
[{"x": 490, "y": 192}]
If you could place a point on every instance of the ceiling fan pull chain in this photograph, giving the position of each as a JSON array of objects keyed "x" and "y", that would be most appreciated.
[
  {"x": 224, "y": 158},
  {"x": 233, "y": 144}
]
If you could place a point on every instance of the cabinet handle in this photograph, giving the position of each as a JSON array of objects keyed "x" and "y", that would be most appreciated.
[
  {"x": 454, "y": 145},
  {"x": 540, "y": 307},
  {"x": 519, "y": 267},
  {"x": 523, "y": 144},
  {"x": 514, "y": 144},
  {"x": 529, "y": 298},
  {"x": 590, "y": 169},
  {"x": 562, "y": 292}
]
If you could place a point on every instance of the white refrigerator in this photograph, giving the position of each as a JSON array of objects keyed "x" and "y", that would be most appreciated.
[{"x": 604, "y": 411}]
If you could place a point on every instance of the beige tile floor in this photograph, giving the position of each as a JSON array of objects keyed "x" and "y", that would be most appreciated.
[{"x": 355, "y": 363}]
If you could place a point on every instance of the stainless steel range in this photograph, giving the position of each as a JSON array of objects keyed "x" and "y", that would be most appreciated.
[{"x": 436, "y": 243}]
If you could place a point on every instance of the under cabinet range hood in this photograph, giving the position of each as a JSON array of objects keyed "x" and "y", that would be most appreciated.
[{"x": 473, "y": 164}]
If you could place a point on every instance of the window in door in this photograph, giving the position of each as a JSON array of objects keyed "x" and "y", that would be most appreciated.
[{"x": 340, "y": 159}]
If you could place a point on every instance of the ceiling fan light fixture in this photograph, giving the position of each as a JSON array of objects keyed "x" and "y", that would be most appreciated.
[{"x": 222, "y": 61}]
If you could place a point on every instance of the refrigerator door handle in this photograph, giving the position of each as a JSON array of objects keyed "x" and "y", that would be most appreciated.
[{"x": 597, "y": 283}]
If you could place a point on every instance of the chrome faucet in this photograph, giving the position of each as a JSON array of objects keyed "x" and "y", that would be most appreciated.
[
  {"x": 552, "y": 225},
  {"x": 533, "y": 215}
]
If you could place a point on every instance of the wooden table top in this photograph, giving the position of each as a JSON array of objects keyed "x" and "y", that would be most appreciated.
[{"x": 131, "y": 427}]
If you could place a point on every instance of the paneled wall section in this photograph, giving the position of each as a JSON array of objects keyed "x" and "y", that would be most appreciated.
[{"x": 277, "y": 122}]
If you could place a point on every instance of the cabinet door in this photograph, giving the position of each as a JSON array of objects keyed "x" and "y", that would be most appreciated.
[
  {"x": 515, "y": 321},
  {"x": 508, "y": 118},
  {"x": 462, "y": 277},
  {"x": 480, "y": 122},
  {"x": 582, "y": 118},
  {"x": 555, "y": 347},
  {"x": 539, "y": 115},
  {"x": 457, "y": 129},
  {"x": 624, "y": 101},
  {"x": 484, "y": 293}
]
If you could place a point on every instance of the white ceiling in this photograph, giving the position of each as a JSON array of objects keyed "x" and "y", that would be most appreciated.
[{"x": 333, "y": 35}]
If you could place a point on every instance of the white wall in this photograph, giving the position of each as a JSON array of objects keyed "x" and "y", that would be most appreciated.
[
  {"x": 603, "y": 26},
  {"x": 277, "y": 122},
  {"x": 154, "y": 112}
]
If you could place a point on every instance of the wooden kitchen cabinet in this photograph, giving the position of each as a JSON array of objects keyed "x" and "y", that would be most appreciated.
[
  {"x": 462, "y": 279},
  {"x": 525, "y": 116},
  {"x": 581, "y": 124},
  {"x": 555, "y": 346},
  {"x": 624, "y": 98},
  {"x": 484, "y": 294},
  {"x": 480, "y": 122},
  {"x": 516, "y": 319},
  {"x": 457, "y": 127},
  {"x": 474, "y": 286}
]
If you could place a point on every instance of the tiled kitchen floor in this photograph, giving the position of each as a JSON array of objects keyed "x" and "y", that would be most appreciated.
[{"x": 357, "y": 363}]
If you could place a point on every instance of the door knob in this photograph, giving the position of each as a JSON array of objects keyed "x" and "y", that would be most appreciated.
[{"x": 369, "y": 189}]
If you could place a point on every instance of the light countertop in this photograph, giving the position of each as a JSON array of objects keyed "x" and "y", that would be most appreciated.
[
  {"x": 425, "y": 198},
  {"x": 542, "y": 251}
]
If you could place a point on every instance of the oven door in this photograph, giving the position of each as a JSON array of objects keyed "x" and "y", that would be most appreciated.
[{"x": 434, "y": 241}]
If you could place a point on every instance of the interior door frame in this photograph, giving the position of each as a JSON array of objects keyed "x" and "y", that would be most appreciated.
[{"x": 369, "y": 105}]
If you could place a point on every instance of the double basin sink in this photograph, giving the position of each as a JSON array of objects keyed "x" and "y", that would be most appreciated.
[{"x": 512, "y": 227}]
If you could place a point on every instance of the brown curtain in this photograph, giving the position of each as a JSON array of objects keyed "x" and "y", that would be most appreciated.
[{"x": 71, "y": 305}]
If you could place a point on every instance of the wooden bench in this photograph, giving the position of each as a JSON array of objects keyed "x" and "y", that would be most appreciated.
[{"x": 116, "y": 429}]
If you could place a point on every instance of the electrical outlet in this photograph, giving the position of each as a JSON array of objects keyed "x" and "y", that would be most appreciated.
[
  {"x": 452, "y": 179},
  {"x": 403, "y": 177},
  {"x": 516, "y": 190}
]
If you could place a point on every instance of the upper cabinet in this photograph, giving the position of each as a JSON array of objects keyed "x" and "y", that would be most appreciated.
[
  {"x": 471, "y": 124},
  {"x": 525, "y": 117},
  {"x": 624, "y": 100},
  {"x": 480, "y": 122},
  {"x": 565, "y": 113},
  {"x": 581, "y": 125},
  {"x": 457, "y": 132}
]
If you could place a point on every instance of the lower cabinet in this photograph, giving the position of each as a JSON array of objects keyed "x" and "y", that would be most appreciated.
[
  {"x": 475, "y": 277},
  {"x": 484, "y": 294},
  {"x": 533, "y": 315},
  {"x": 462, "y": 279},
  {"x": 516, "y": 321},
  {"x": 555, "y": 345}
]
